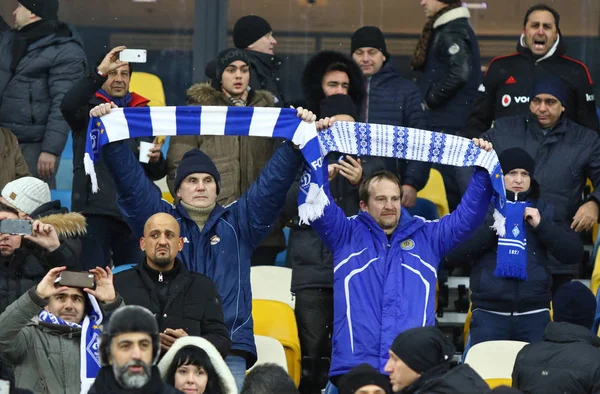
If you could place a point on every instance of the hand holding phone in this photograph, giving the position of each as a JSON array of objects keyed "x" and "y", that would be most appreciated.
[
  {"x": 133, "y": 55},
  {"x": 80, "y": 280}
]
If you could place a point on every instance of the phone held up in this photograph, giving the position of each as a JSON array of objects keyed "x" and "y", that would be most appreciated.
[
  {"x": 133, "y": 55},
  {"x": 81, "y": 280},
  {"x": 15, "y": 227}
]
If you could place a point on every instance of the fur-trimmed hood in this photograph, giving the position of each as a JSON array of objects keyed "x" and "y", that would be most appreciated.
[
  {"x": 204, "y": 94},
  {"x": 313, "y": 74},
  {"x": 227, "y": 380},
  {"x": 67, "y": 225}
]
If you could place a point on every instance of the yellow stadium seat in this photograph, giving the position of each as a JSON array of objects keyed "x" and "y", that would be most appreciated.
[
  {"x": 149, "y": 86},
  {"x": 435, "y": 192},
  {"x": 167, "y": 197},
  {"x": 595, "y": 282},
  {"x": 493, "y": 383},
  {"x": 277, "y": 320},
  {"x": 467, "y": 327}
]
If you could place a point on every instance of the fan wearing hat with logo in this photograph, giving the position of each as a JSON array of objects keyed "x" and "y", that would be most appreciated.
[
  {"x": 421, "y": 362},
  {"x": 510, "y": 280}
]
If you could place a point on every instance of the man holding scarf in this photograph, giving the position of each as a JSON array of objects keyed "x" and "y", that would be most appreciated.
[
  {"x": 510, "y": 281},
  {"x": 48, "y": 329},
  {"x": 108, "y": 237}
]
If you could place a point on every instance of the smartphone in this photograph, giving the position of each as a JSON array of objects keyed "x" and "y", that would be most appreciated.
[
  {"x": 133, "y": 55},
  {"x": 77, "y": 279},
  {"x": 15, "y": 227},
  {"x": 4, "y": 387}
]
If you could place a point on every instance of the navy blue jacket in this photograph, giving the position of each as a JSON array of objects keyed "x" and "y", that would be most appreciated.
[
  {"x": 452, "y": 72},
  {"x": 551, "y": 237},
  {"x": 383, "y": 286},
  {"x": 223, "y": 248},
  {"x": 394, "y": 100}
]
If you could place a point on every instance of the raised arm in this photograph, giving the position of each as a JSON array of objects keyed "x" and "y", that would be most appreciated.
[{"x": 14, "y": 339}]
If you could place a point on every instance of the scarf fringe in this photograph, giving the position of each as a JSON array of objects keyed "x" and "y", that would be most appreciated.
[
  {"x": 313, "y": 207},
  {"x": 499, "y": 223},
  {"x": 508, "y": 270},
  {"x": 88, "y": 165}
]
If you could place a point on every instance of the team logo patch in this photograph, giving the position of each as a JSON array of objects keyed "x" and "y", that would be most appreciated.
[
  {"x": 215, "y": 240},
  {"x": 516, "y": 231},
  {"x": 454, "y": 49},
  {"x": 407, "y": 244},
  {"x": 506, "y": 100}
]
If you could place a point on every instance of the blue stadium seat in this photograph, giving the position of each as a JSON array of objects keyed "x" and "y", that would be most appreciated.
[
  {"x": 280, "y": 260},
  {"x": 121, "y": 268},
  {"x": 596, "y": 327},
  {"x": 63, "y": 195},
  {"x": 64, "y": 176},
  {"x": 426, "y": 209}
]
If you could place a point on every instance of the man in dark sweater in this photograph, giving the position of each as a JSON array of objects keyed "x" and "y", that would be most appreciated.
[{"x": 184, "y": 303}]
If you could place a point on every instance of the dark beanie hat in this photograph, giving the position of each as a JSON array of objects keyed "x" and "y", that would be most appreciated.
[
  {"x": 423, "y": 348},
  {"x": 549, "y": 84},
  {"x": 249, "y": 29},
  {"x": 45, "y": 9},
  {"x": 369, "y": 36},
  {"x": 224, "y": 59},
  {"x": 363, "y": 375},
  {"x": 574, "y": 303},
  {"x": 516, "y": 158},
  {"x": 196, "y": 161},
  {"x": 338, "y": 104}
]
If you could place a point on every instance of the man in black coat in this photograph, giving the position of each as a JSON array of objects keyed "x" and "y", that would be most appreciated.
[
  {"x": 508, "y": 79},
  {"x": 109, "y": 237},
  {"x": 254, "y": 34},
  {"x": 568, "y": 359},
  {"x": 565, "y": 155},
  {"x": 448, "y": 55},
  {"x": 184, "y": 302}
]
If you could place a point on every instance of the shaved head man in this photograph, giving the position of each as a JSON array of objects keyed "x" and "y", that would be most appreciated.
[{"x": 184, "y": 302}]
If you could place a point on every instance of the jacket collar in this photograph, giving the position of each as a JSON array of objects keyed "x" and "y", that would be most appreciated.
[
  {"x": 557, "y": 49},
  {"x": 106, "y": 383},
  {"x": 562, "y": 332},
  {"x": 560, "y": 128},
  {"x": 136, "y": 100},
  {"x": 447, "y": 17},
  {"x": 212, "y": 219},
  {"x": 271, "y": 61}
]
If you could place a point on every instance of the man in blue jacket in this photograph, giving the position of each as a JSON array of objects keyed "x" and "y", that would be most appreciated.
[
  {"x": 385, "y": 265},
  {"x": 218, "y": 241}
]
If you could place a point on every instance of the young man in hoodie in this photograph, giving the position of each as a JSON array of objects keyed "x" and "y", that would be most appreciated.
[
  {"x": 568, "y": 359},
  {"x": 509, "y": 78},
  {"x": 238, "y": 160}
]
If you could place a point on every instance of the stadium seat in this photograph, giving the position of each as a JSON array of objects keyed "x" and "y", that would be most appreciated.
[
  {"x": 596, "y": 327},
  {"x": 63, "y": 195},
  {"x": 493, "y": 383},
  {"x": 494, "y": 359},
  {"x": 269, "y": 350},
  {"x": 280, "y": 260},
  {"x": 595, "y": 281},
  {"x": 149, "y": 86},
  {"x": 272, "y": 283},
  {"x": 277, "y": 320},
  {"x": 435, "y": 192},
  {"x": 168, "y": 197},
  {"x": 121, "y": 268},
  {"x": 425, "y": 208}
]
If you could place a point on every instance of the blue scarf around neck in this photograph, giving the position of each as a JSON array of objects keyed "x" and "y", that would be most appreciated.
[
  {"x": 511, "y": 261},
  {"x": 122, "y": 102}
]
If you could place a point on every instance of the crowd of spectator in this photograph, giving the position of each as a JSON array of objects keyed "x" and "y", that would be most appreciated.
[{"x": 180, "y": 319}]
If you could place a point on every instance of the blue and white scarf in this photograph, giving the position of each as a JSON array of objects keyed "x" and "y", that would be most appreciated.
[
  {"x": 511, "y": 261},
  {"x": 90, "y": 334},
  {"x": 345, "y": 137}
]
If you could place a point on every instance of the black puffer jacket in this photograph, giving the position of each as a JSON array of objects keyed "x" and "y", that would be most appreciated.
[
  {"x": 312, "y": 79},
  {"x": 310, "y": 259},
  {"x": 449, "y": 379},
  {"x": 264, "y": 74},
  {"x": 452, "y": 71},
  {"x": 551, "y": 236},
  {"x": 179, "y": 299},
  {"x": 30, "y": 98},
  {"x": 75, "y": 107},
  {"x": 507, "y": 85},
  {"x": 394, "y": 100},
  {"x": 569, "y": 153},
  {"x": 566, "y": 361}
]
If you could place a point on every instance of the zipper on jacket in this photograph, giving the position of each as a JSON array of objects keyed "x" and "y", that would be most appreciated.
[
  {"x": 366, "y": 118},
  {"x": 160, "y": 277}
]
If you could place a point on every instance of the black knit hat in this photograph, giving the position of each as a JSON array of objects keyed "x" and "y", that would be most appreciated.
[
  {"x": 513, "y": 158},
  {"x": 196, "y": 161},
  {"x": 369, "y": 36},
  {"x": 549, "y": 84},
  {"x": 337, "y": 104},
  {"x": 224, "y": 59},
  {"x": 363, "y": 375},
  {"x": 574, "y": 303},
  {"x": 45, "y": 9},
  {"x": 423, "y": 348},
  {"x": 129, "y": 319},
  {"x": 249, "y": 29}
]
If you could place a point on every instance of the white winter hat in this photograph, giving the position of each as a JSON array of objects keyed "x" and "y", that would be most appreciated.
[{"x": 27, "y": 194}]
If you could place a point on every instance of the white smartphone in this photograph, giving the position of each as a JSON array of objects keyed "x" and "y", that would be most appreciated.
[
  {"x": 133, "y": 55},
  {"x": 4, "y": 387}
]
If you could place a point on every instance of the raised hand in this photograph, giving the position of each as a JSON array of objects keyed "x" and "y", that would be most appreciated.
[
  {"x": 105, "y": 290},
  {"x": 111, "y": 61},
  {"x": 102, "y": 109},
  {"x": 47, "y": 288},
  {"x": 350, "y": 169},
  {"x": 306, "y": 115},
  {"x": 483, "y": 144},
  {"x": 44, "y": 235}
]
